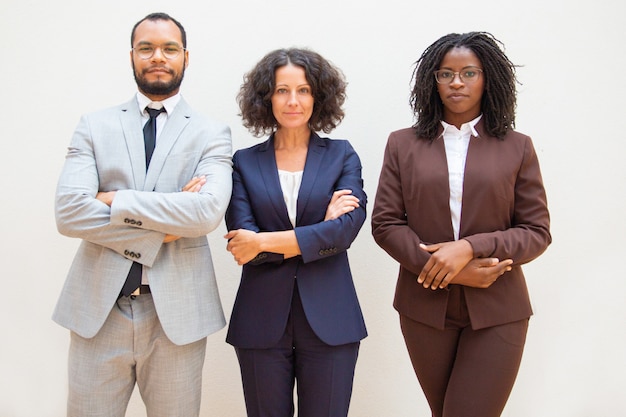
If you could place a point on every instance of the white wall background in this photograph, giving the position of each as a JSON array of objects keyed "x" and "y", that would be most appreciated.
[{"x": 63, "y": 58}]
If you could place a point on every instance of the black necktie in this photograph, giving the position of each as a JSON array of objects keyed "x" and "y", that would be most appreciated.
[
  {"x": 149, "y": 132},
  {"x": 133, "y": 280}
]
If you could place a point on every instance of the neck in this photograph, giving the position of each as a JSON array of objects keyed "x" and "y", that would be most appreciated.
[
  {"x": 292, "y": 138},
  {"x": 155, "y": 97}
]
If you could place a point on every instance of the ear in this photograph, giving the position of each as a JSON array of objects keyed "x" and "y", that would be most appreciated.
[{"x": 186, "y": 58}]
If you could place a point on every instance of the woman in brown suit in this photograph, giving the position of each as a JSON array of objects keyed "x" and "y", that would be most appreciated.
[{"x": 461, "y": 206}]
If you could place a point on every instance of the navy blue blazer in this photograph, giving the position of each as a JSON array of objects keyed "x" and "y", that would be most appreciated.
[{"x": 321, "y": 272}]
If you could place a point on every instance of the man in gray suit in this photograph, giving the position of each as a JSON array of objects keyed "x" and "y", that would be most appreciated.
[{"x": 143, "y": 219}]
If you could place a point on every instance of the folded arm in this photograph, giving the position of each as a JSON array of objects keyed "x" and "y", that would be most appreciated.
[{"x": 117, "y": 219}]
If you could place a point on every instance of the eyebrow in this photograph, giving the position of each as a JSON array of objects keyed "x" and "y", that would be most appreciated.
[
  {"x": 301, "y": 85},
  {"x": 465, "y": 67},
  {"x": 164, "y": 43}
]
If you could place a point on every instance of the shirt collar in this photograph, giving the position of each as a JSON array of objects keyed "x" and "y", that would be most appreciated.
[
  {"x": 468, "y": 126},
  {"x": 169, "y": 103}
]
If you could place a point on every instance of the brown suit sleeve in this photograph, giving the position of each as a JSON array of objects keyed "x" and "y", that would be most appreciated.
[{"x": 522, "y": 226}]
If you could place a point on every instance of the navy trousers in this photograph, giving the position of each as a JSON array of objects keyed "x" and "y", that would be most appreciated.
[{"x": 323, "y": 373}]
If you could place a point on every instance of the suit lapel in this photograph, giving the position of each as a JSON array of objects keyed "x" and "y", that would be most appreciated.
[
  {"x": 269, "y": 174},
  {"x": 314, "y": 158},
  {"x": 175, "y": 124},
  {"x": 130, "y": 118}
]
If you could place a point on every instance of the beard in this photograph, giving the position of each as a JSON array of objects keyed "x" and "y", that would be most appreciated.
[{"x": 159, "y": 88}]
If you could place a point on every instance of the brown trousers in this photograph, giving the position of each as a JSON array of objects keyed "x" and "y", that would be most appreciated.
[{"x": 465, "y": 372}]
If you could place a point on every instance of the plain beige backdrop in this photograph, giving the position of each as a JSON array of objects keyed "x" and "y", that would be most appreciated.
[{"x": 61, "y": 59}]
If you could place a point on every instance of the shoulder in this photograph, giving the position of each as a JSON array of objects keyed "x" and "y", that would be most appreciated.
[
  {"x": 514, "y": 135},
  {"x": 253, "y": 150},
  {"x": 406, "y": 137},
  {"x": 336, "y": 148},
  {"x": 333, "y": 145},
  {"x": 511, "y": 136},
  {"x": 200, "y": 120},
  {"x": 111, "y": 111}
]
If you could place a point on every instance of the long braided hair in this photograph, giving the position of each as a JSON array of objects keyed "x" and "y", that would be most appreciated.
[{"x": 499, "y": 97}]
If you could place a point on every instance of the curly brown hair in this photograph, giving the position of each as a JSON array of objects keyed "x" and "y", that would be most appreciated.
[
  {"x": 328, "y": 87},
  {"x": 499, "y": 98}
]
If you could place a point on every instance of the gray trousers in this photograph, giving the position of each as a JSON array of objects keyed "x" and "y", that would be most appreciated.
[{"x": 132, "y": 348}]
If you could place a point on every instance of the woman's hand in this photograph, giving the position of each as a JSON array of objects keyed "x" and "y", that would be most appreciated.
[
  {"x": 342, "y": 202},
  {"x": 446, "y": 261},
  {"x": 243, "y": 244},
  {"x": 482, "y": 272}
]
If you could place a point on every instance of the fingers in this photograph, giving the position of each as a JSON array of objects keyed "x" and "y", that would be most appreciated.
[
  {"x": 340, "y": 193},
  {"x": 170, "y": 238},
  {"x": 230, "y": 234},
  {"x": 432, "y": 275},
  {"x": 341, "y": 202},
  {"x": 195, "y": 184},
  {"x": 504, "y": 266},
  {"x": 430, "y": 248}
]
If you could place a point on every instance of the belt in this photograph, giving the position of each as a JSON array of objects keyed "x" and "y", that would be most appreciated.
[{"x": 142, "y": 289}]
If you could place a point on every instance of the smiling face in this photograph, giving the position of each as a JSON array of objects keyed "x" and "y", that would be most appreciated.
[
  {"x": 158, "y": 77},
  {"x": 461, "y": 99},
  {"x": 292, "y": 100}
]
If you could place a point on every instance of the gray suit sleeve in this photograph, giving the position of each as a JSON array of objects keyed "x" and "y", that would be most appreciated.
[{"x": 182, "y": 213}]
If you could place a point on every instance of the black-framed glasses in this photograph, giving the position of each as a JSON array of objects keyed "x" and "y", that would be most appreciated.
[
  {"x": 169, "y": 50},
  {"x": 467, "y": 75}
]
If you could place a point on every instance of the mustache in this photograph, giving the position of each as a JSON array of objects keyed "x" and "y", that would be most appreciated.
[{"x": 159, "y": 68}]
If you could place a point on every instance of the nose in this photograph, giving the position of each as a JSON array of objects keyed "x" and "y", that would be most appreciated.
[
  {"x": 456, "y": 81},
  {"x": 157, "y": 55},
  {"x": 292, "y": 101}
]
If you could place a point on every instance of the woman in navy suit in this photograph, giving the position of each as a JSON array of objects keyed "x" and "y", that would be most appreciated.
[{"x": 297, "y": 205}]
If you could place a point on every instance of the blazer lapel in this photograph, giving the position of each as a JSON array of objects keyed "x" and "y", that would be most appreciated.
[
  {"x": 175, "y": 124},
  {"x": 130, "y": 119},
  {"x": 314, "y": 158},
  {"x": 269, "y": 173}
]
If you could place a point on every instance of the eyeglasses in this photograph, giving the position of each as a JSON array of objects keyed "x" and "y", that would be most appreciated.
[
  {"x": 169, "y": 51},
  {"x": 467, "y": 75}
]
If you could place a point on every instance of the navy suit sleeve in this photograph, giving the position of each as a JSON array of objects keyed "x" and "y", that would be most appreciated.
[
  {"x": 327, "y": 238},
  {"x": 240, "y": 215}
]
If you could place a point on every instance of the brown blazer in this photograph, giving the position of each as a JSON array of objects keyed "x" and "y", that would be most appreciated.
[{"x": 504, "y": 215}]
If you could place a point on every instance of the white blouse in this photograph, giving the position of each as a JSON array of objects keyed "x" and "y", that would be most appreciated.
[{"x": 290, "y": 184}]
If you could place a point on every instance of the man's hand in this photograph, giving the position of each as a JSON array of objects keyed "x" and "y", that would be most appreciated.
[
  {"x": 106, "y": 197},
  {"x": 193, "y": 186}
]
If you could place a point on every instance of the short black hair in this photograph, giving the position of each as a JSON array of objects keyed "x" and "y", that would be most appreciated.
[
  {"x": 498, "y": 102},
  {"x": 160, "y": 16}
]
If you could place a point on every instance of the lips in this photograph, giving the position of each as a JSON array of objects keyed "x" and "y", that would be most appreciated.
[{"x": 157, "y": 70}]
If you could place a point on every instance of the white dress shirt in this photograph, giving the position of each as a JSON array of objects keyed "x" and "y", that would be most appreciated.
[
  {"x": 169, "y": 104},
  {"x": 456, "y": 143}
]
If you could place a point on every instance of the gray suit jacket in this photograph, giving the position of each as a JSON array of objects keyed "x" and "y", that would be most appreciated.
[{"x": 107, "y": 154}]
